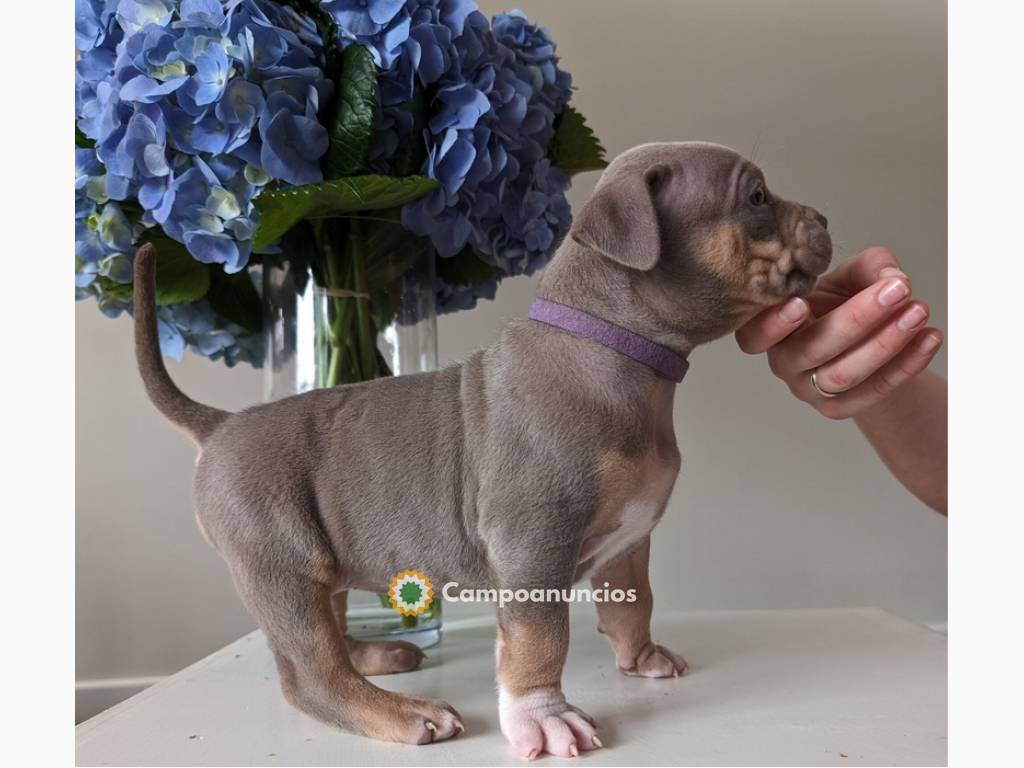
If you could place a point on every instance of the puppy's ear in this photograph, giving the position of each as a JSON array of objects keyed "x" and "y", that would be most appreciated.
[{"x": 621, "y": 219}]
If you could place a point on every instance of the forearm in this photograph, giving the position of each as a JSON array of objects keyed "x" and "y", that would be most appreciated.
[{"x": 908, "y": 430}]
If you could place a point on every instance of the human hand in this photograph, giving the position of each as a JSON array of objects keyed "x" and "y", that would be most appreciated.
[{"x": 859, "y": 332}]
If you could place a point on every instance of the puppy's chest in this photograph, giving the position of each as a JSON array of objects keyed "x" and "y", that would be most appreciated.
[{"x": 632, "y": 494}]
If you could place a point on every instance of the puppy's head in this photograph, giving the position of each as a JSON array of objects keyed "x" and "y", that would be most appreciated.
[{"x": 705, "y": 242}]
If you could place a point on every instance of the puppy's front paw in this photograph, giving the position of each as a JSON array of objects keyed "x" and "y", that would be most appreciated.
[
  {"x": 655, "y": 661},
  {"x": 545, "y": 722}
]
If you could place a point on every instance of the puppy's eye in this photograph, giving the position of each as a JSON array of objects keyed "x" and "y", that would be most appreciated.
[{"x": 758, "y": 196}]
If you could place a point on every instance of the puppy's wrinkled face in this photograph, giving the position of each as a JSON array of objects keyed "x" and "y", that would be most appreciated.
[
  {"x": 710, "y": 243},
  {"x": 762, "y": 246}
]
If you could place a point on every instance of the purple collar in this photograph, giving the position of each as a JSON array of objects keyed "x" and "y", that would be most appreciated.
[{"x": 661, "y": 360}]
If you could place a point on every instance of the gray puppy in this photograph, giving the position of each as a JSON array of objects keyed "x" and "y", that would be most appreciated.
[{"x": 542, "y": 460}]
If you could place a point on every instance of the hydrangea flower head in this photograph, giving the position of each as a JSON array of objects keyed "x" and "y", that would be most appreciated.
[
  {"x": 193, "y": 106},
  {"x": 496, "y": 88}
]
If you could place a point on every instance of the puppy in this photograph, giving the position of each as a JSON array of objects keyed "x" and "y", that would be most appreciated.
[{"x": 541, "y": 461}]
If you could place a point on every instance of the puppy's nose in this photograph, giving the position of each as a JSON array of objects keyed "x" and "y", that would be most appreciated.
[
  {"x": 820, "y": 243},
  {"x": 818, "y": 217}
]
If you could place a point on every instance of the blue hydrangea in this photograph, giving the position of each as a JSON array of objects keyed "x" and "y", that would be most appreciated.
[
  {"x": 496, "y": 89},
  {"x": 194, "y": 106},
  {"x": 199, "y": 328},
  {"x": 535, "y": 55}
]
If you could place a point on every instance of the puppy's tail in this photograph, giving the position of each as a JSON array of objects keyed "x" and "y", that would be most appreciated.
[{"x": 195, "y": 419}]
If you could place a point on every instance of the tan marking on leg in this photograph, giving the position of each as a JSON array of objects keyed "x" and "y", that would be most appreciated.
[
  {"x": 627, "y": 486},
  {"x": 531, "y": 655},
  {"x": 623, "y": 479},
  {"x": 618, "y": 477},
  {"x": 534, "y": 715}
]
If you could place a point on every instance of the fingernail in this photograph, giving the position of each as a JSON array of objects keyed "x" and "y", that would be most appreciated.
[
  {"x": 793, "y": 310},
  {"x": 891, "y": 272},
  {"x": 893, "y": 292},
  {"x": 929, "y": 343},
  {"x": 912, "y": 318}
]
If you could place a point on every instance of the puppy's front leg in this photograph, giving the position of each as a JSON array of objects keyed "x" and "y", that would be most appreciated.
[
  {"x": 628, "y": 625},
  {"x": 533, "y": 639}
]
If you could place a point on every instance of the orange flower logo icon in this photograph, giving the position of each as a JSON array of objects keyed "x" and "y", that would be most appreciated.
[{"x": 410, "y": 593}]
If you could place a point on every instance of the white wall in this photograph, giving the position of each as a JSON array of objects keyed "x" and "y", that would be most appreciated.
[{"x": 776, "y": 507}]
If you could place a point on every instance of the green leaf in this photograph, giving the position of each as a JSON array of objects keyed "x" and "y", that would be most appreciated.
[
  {"x": 574, "y": 148},
  {"x": 389, "y": 252},
  {"x": 389, "y": 249},
  {"x": 410, "y": 155},
  {"x": 81, "y": 140},
  {"x": 121, "y": 291},
  {"x": 465, "y": 268},
  {"x": 234, "y": 297},
  {"x": 351, "y": 125},
  {"x": 281, "y": 209},
  {"x": 180, "y": 279}
]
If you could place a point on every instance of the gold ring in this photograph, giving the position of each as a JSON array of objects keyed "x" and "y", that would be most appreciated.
[{"x": 822, "y": 392}]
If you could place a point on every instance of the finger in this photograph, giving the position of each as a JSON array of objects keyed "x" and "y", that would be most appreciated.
[
  {"x": 854, "y": 366},
  {"x": 858, "y": 272},
  {"x": 771, "y": 326},
  {"x": 823, "y": 302},
  {"x": 833, "y": 334},
  {"x": 914, "y": 358}
]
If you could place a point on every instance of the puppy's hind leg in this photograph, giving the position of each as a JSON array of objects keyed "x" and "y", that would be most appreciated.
[
  {"x": 374, "y": 657},
  {"x": 291, "y": 601}
]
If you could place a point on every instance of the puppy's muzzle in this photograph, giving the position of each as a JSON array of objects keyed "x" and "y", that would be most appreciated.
[{"x": 812, "y": 251}]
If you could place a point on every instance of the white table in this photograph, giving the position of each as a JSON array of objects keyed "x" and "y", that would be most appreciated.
[{"x": 830, "y": 687}]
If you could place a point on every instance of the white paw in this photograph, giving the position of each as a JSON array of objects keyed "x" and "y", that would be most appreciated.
[{"x": 546, "y": 722}]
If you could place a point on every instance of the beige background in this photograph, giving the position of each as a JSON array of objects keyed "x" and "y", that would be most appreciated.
[{"x": 845, "y": 103}]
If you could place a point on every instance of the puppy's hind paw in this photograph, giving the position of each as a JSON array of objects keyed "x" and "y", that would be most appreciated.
[
  {"x": 383, "y": 657},
  {"x": 656, "y": 661},
  {"x": 412, "y": 720},
  {"x": 540, "y": 722}
]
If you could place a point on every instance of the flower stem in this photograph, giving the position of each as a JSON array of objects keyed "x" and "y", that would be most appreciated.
[
  {"x": 337, "y": 326},
  {"x": 367, "y": 346}
]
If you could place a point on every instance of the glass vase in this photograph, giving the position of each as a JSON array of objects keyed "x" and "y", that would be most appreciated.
[{"x": 338, "y": 310}]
